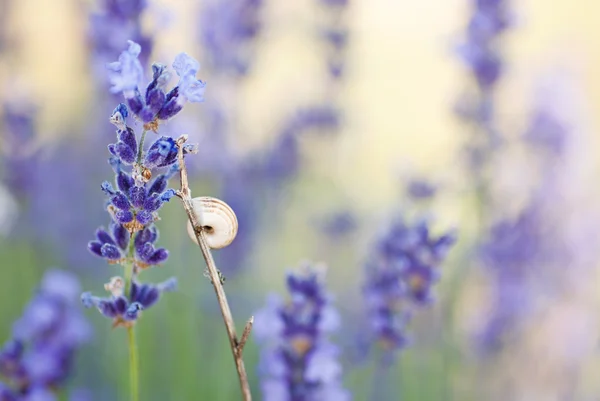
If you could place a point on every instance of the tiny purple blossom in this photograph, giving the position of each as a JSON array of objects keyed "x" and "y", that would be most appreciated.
[
  {"x": 40, "y": 357},
  {"x": 154, "y": 103},
  {"x": 399, "y": 278},
  {"x": 127, "y": 73},
  {"x": 298, "y": 361},
  {"x": 190, "y": 88}
]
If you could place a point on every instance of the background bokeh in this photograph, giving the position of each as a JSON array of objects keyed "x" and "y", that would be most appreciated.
[{"x": 397, "y": 97}]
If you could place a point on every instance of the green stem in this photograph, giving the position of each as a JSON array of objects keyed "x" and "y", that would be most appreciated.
[
  {"x": 134, "y": 381},
  {"x": 140, "y": 147},
  {"x": 133, "y": 351},
  {"x": 129, "y": 267}
]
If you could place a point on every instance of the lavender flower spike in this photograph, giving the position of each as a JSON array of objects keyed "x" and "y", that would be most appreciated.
[
  {"x": 400, "y": 276},
  {"x": 127, "y": 73},
  {"x": 154, "y": 103},
  {"x": 190, "y": 88},
  {"x": 39, "y": 358},
  {"x": 298, "y": 361}
]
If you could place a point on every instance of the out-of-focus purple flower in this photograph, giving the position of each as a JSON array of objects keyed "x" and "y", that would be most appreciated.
[
  {"x": 20, "y": 156},
  {"x": 339, "y": 224},
  {"x": 488, "y": 22},
  {"x": 400, "y": 275},
  {"x": 116, "y": 22},
  {"x": 127, "y": 73},
  {"x": 227, "y": 31},
  {"x": 282, "y": 159},
  {"x": 520, "y": 252},
  {"x": 298, "y": 360},
  {"x": 154, "y": 103},
  {"x": 482, "y": 55},
  {"x": 335, "y": 36},
  {"x": 545, "y": 131},
  {"x": 39, "y": 357},
  {"x": 420, "y": 189}
]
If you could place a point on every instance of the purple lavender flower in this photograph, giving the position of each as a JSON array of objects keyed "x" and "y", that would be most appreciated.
[
  {"x": 335, "y": 36},
  {"x": 39, "y": 357},
  {"x": 19, "y": 150},
  {"x": 339, "y": 224},
  {"x": 115, "y": 23},
  {"x": 400, "y": 275},
  {"x": 298, "y": 361},
  {"x": 123, "y": 310},
  {"x": 481, "y": 54},
  {"x": 515, "y": 248},
  {"x": 489, "y": 20},
  {"x": 155, "y": 104},
  {"x": 227, "y": 31},
  {"x": 136, "y": 197},
  {"x": 419, "y": 189}
]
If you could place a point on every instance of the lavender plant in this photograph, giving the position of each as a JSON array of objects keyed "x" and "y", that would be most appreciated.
[
  {"x": 517, "y": 247},
  {"x": 113, "y": 24},
  {"x": 399, "y": 278},
  {"x": 299, "y": 362},
  {"x": 335, "y": 36},
  {"x": 482, "y": 54},
  {"x": 19, "y": 147},
  {"x": 140, "y": 192},
  {"x": 37, "y": 361},
  {"x": 227, "y": 31}
]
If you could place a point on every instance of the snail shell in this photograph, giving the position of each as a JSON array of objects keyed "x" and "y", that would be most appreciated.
[{"x": 217, "y": 219}]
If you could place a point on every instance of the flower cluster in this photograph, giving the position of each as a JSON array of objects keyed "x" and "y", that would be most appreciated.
[
  {"x": 135, "y": 201},
  {"x": 482, "y": 55},
  {"x": 40, "y": 355},
  {"x": 488, "y": 22},
  {"x": 122, "y": 309},
  {"x": 400, "y": 275},
  {"x": 136, "y": 197},
  {"x": 154, "y": 103},
  {"x": 299, "y": 363},
  {"x": 517, "y": 247},
  {"x": 19, "y": 153},
  {"x": 335, "y": 36},
  {"x": 112, "y": 25},
  {"x": 227, "y": 30}
]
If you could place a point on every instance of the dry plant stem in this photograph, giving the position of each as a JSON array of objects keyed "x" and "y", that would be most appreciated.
[{"x": 236, "y": 347}]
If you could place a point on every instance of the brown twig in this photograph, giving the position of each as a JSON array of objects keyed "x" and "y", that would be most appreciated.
[
  {"x": 236, "y": 347},
  {"x": 245, "y": 335}
]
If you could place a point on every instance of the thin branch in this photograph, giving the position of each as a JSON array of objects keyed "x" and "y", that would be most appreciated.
[
  {"x": 236, "y": 348},
  {"x": 245, "y": 334}
]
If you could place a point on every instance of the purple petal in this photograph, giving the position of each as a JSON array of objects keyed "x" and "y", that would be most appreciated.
[{"x": 110, "y": 251}]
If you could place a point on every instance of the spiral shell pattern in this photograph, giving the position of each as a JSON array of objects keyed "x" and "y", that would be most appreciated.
[{"x": 218, "y": 220}]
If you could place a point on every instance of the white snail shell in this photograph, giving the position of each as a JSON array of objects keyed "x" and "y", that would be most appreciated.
[{"x": 218, "y": 220}]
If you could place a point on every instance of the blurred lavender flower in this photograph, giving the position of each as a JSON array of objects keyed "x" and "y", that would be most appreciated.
[
  {"x": 517, "y": 248},
  {"x": 335, "y": 36},
  {"x": 339, "y": 224},
  {"x": 482, "y": 56},
  {"x": 298, "y": 360},
  {"x": 265, "y": 173},
  {"x": 400, "y": 275},
  {"x": 418, "y": 189},
  {"x": 228, "y": 29},
  {"x": 155, "y": 104},
  {"x": 116, "y": 22},
  {"x": 39, "y": 358},
  {"x": 282, "y": 159},
  {"x": 19, "y": 147}
]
